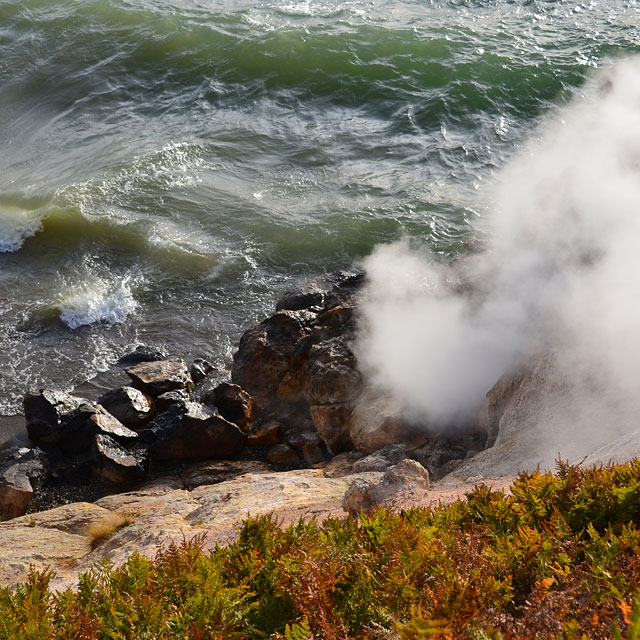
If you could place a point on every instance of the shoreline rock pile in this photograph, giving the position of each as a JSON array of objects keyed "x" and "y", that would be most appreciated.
[{"x": 295, "y": 399}]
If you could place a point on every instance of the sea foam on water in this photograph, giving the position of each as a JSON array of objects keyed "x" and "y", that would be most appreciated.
[{"x": 561, "y": 278}]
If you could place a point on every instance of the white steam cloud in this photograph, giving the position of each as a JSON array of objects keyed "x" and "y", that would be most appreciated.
[{"x": 560, "y": 279}]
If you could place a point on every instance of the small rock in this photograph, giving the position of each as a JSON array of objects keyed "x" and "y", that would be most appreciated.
[
  {"x": 283, "y": 454},
  {"x": 200, "y": 369},
  {"x": 44, "y": 412},
  {"x": 129, "y": 405},
  {"x": 171, "y": 399},
  {"x": 265, "y": 434},
  {"x": 20, "y": 469},
  {"x": 233, "y": 403},
  {"x": 156, "y": 378},
  {"x": 141, "y": 354},
  {"x": 340, "y": 465},
  {"x": 114, "y": 463},
  {"x": 405, "y": 472},
  {"x": 312, "y": 454}
]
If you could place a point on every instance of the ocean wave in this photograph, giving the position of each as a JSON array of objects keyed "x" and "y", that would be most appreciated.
[
  {"x": 16, "y": 226},
  {"x": 98, "y": 302}
]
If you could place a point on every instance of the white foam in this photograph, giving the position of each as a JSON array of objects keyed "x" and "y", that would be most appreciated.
[
  {"x": 96, "y": 303},
  {"x": 16, "y": 225}
]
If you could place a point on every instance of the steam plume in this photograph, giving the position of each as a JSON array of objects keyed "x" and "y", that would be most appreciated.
[{"x": 561, "y": 277}]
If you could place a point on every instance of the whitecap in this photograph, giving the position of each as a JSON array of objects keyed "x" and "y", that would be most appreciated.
[
  {"x": 98, "y": 303},
  {"x": 16, "y": 225}
]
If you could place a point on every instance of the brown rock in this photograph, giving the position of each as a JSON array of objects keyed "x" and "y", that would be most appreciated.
[
  {"x": 265, "y": 434},
  {"x": 129, "y": 405},
  {"x": 264, "y": 353},
  {"x": 156, "y": 378},
  {"x": 201, "y": 434},
  {"x": 233, "y": 403},
  {"x": 333, "y": 424},
  {"x": 220, "y": 471},
  {"x": 283, "y": 454},
  {"x": 332, "y": 374},
  {"x": 20, "y": 469}
]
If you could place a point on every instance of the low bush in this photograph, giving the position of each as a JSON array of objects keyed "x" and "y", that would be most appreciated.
[{"x": 558, "y": 558}]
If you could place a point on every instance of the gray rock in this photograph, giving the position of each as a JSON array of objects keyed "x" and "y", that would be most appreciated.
[
  {"x": 129, "y": 405},
  {"x": 200, "y": 369},
  {"x": 20, "y": 469},
  {"x": 44, "y": 412},
  {"x": 205, "y": 473},
  {"x": 113, "y": 462},
  {"x": 323, "y": 292},
  {"x": 382, "y": 459},
  {"x": 141, "y": 354},
  {"x": 171, "y": 399},
  {"x": 156, "y": 378}
]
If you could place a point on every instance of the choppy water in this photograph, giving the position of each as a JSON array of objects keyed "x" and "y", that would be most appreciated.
[{"x": 167, "y": 168}]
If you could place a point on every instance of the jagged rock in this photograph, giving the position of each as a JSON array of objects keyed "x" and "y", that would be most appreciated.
[
  {"x": 376, "y": 423},
  {"x": 86, "y": 421},
  {"x": 332, "y": 374},
  {"x": 220, "y": 471},
  {"x": 171, "y": 399},
  {"x": 233, "y": 403},
  {"x": 115, "y": 463},
  {"x": 264, "y": 353},
  {"x": 382, "y": 459},
  {"x": 323, "y": 292},
  {"x": 200, "y": 369},
  {"x": 283, "y": 454},
  {"x": 333, "y": 424},
  {"x": 20, "y": 469},
  {"x": 156, "y": 378},
  {"x": 44, "y": 412},
  {"x": 129, "y": 405},
  {"x": 200, "y": 434},
  {"x": 265, "y": 434},
  {"x": 141, "y": 354},
  {"x": 164, "y": 424},
  {"x": 364, "y": 495}
]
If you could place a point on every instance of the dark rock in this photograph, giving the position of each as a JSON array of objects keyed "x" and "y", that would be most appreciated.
[
  {"x": 283, "y": 454},
  {"x": 204, "y": 473},
  {"x": 22, "y": 469},
  {"x": 164, "y": 424},
  {"x": 264, "y": 353},
  {"x": 84, "y": 423},
  {"x": 332, "y": 374},
  {"x": 156, "y": 378},
  {"x": 201, "y": 434},
  {"x": 141, "y": 354},
  {"x": 266, "y": 434},
  {"x": 113, "y": 462},
  {"x": 171, "y": 399},
  {"x": 44, "y": 412},
  {"x": 310, "y": 445},
  {"x": 333, "y": 426},
  {"x": 233, "y": 403},
  {"x": 323, "y": 292},
  {"x": 129, "y": 405},
  {"x": 200, "y": 369}
]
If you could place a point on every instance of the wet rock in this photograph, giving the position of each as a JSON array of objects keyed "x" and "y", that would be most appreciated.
[
  {"x": 164, "y": 424},
  {"x": 21, "y": 470},
  {"x": 113, "y": 462},
  {"x": 323, "y": 292},
  {"x": 382, "y": 459},
  {"x": 233, "y": 403},
  {"x": 200, "y": 434},
  {"x": 200, "y": 369},
  {"x": 365, "y": 495},
  {"x": 129, "y": 405},
  {"x": 156, "y": 378},
  {"x": 171, "y": 400},
  {"x": 283, "y": 454},
  {"x": 264, "y": 353},
  {"x": 44, "y": 411},
  {"x": 376, "y": 423},
  {"x": 83, "y": 423},
  {"x": 266, "y": 434},
  {"x": 205, "y": 473},
  {"x": 141, "y": 354}
]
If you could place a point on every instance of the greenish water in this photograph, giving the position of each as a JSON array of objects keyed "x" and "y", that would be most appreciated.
[{"x": 168, "y": 168}]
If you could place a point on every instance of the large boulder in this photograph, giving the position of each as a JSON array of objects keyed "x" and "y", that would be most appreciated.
[
  {"x": 233, "y": 403},
  {"x": 114, "y": 463},
  {"x": 45, "y": 411},
  {"x": 129, "y": 405},
  {"x": 21, "y": 469},
  {"x": 199, "y": 433},
  {"x": 158, "y": 377},
  {"x": 323, "y": 292}
]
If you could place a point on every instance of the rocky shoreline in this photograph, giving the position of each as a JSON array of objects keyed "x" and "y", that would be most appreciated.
[{"x": 294, "y": 399}]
